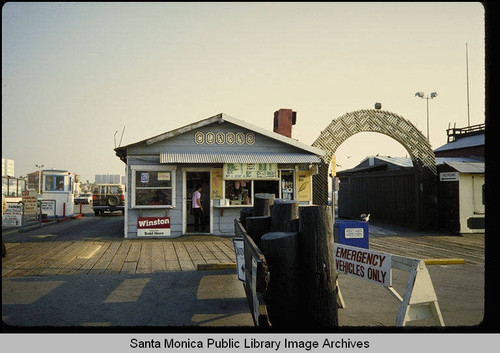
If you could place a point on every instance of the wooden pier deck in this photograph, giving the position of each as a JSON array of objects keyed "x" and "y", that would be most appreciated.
[{"x": 116, "y": 257}]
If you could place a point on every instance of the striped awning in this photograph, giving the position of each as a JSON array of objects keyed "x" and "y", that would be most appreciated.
[{"x": 227, "y": 157}]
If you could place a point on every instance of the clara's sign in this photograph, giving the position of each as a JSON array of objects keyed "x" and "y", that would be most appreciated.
[
  {"x": 153, "y": 226},
  {"x": 250, "y": 171},
  {"x": 365, "y": 264},
  {"x": 224, "y": 138}
]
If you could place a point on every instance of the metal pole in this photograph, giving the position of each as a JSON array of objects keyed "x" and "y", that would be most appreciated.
[
  {"x": 467, "y": 66},
  {"x": 427, "y": 118}
]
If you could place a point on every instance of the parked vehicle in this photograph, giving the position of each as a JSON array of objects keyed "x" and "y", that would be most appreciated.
[
  {"x": 108, "y": 197},
  {"x": 84, "y": 198}
]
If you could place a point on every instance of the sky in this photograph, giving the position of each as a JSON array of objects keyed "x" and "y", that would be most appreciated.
[{"x": 77, "y": 75}]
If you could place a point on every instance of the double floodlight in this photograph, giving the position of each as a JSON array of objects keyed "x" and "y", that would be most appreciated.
[{"x": 422, "y": 94}]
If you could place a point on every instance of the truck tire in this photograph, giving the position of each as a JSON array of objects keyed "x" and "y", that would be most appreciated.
[{"x": 113, "y": 201}]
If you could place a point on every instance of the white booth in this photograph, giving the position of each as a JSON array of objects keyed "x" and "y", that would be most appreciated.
[{"x": 58, "y": 186}]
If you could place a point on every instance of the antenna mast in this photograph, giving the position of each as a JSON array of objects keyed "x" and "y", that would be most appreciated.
[{"x": 121, "y": 136}]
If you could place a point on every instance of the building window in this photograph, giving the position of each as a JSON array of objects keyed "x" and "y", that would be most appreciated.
[
  {"x": 153, "y": 187},
  {"x": 267, "y": 187},
  {"x": 54, "y": 183}
]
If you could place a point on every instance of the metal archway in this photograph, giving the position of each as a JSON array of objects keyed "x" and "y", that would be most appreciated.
[{"x": 401, "y": 130}]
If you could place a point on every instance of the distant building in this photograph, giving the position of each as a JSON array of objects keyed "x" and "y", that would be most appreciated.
[
  {"x": 384, "y": 187},
  {"x": 8, "y": 167},
  {"x": 464, "y": 142},
  {"x": 33, "y": 180},
  {"x": 461, "y": 195},
  {"x": 108, "y": 179}
]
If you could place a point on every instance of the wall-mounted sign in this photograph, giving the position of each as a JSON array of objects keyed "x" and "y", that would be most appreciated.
[
  {"x": 145, "y": 178},
  {"x": 250, "y": 171},
  {"x": 163, "y": 176},
  {"x": 153, "y": 226},
  {"x": 365, "y": 264},
  {"x": 304, "y": 185},
  {"x": 216, "y": 184},
  {"x": 47, "y": 207},
  {"x": 449, "y": 176},
  {"x": 221, "y": 138}
]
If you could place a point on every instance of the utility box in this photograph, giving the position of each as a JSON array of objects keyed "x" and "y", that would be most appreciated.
[{"x": 353, "y": 233}]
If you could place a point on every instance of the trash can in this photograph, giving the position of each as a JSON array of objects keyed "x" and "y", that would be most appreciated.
[{"x": 353, "y": 233}]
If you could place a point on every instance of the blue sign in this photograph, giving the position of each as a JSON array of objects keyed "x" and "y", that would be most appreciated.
[{"x": 144, "y": 177}]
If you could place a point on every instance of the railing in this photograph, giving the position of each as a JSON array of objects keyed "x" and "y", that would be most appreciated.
[{"x": 454, "y": 133}]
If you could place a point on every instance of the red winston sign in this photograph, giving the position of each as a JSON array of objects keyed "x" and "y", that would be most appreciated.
[{"x": 153, "y": 226}]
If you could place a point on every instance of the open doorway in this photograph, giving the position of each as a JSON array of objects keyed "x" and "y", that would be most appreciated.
[{"x": 193, "y": 179}]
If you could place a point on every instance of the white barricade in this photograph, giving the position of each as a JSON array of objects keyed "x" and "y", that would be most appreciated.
[{"x": 419, "y": 301}]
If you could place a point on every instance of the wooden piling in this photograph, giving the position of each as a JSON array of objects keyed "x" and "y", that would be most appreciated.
[
  {"x": 256, "y": 227},
  {"x": 317, "y": 276},
  {"x": 282, "y": 296},
  {"x": 262, "y": 204},
  {"x": 285, "y": 216},
  {"x": 244, "y": 213}
]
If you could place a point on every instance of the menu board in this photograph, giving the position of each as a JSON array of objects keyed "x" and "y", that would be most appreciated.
[{"x": 250, "y": 171}]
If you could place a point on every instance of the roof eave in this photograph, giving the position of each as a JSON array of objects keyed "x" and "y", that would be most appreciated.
[{"x": 221, "y": 118}]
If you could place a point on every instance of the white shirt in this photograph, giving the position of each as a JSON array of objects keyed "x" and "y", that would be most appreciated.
[{"x": 196, "y": 196}]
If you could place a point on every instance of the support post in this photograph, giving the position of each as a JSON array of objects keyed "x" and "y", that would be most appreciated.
[
  {"x": 244, "y": 214},
  {"x": 282, "y": 297},
  {"x": 256, "y": 227},
  {"x": 262, "y": 204},
  {"x": 285, "y": 216},
  {"x": 317, "y": 276}
]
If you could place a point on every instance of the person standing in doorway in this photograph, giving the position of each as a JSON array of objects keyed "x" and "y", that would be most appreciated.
[{"x": 197, "y": 209}]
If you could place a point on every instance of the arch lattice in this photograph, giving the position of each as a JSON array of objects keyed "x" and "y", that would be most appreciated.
[{"x": 401, "y": 130}]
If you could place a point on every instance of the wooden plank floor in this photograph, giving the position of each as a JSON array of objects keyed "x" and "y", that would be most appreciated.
[
  {"x": 113, "y": 257},
  {"x": 159, "y": 255}
]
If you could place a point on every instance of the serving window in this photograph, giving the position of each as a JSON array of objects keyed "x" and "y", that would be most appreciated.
[
  {"x": 241, "y": 191},
  {"x": 153, "y": 187},
  {"x": 238, "y": 192}
]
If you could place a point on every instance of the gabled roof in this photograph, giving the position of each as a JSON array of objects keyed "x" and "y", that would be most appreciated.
[
  {"x": 399, "y": 161},
  {"x": 443, "y": 160},
  {"x": 463, "y": 142},
  {"x": 467, "y": 167},
  {"x": 359, "y": 169},
  {"x": 220, "y": 118}
]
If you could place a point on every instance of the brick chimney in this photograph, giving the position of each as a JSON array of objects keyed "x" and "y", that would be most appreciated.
[{"x": 283, "y": 121}]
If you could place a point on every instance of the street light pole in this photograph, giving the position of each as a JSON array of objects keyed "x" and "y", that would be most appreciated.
[
  {"x": 39, "y": 177},
  {"x": 427, "y": 98},
  {"x": 432, "y": 96}
]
